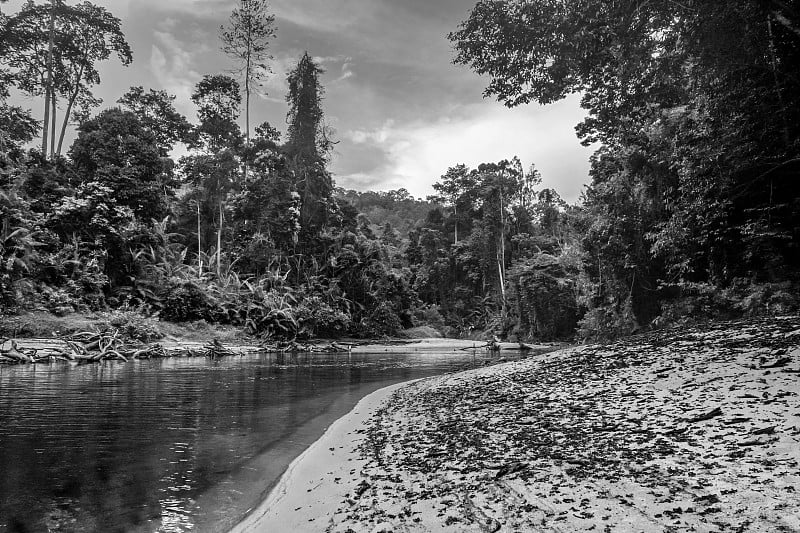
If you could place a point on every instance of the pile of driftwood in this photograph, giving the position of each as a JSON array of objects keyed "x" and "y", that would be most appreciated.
[
  {"x": 93, "y": 347},
  {"x": 15, "y": 355},
  {"x": 297, "y": 347}
]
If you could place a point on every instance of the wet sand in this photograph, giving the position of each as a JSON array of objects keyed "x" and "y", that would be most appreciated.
[{"x": 309, "y": 492}]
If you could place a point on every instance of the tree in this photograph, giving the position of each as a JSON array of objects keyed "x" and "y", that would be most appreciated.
[
  {"x": 218, "y": 102},
  {"x": 499, "y": 183},
  {"x": 246, "y": 40},
  {"x": 118, "y": 185},
  {"x": 16, "y": 124},
  {"x": 544, "y": 294},
  {"x": 308, "y": 137},
  {"x": 116, "y": 151},
  {"x": 266, "y": 210},
  {"x": 60, "y": 62},
  {"x": 157, "y": 113},
  {"x": 215, "y": 172},
  {"x": 309, "y": 144},
  {"x": 452, "y": 188},
  {"x": 697, "y": 105}
]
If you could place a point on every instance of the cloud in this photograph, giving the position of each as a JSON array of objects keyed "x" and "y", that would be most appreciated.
[
  {"x": 417, "y": 153},
  {"x": 343, "y": 64},
  {"x": 378, "y": 136},
  {"x": 275, "y": 86},
  {"x": 324, "y": 15},
  {"x": 171, "y": 64},
  {"x": 194, "y": 8}
]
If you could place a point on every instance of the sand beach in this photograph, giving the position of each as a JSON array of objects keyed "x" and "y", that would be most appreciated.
[{"x": 689, "y": 429}]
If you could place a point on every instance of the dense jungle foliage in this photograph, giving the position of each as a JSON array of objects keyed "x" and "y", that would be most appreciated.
[{"x": 692, "y": 209}]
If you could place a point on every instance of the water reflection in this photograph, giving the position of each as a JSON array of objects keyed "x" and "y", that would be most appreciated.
[{"x": 173, "y": 444}]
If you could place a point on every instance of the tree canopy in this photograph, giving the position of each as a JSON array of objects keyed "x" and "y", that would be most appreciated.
[
  {"x": 696, "y": 105},
  {"x": 53, "y": 51},
  {"x": 691, "y": 211}
]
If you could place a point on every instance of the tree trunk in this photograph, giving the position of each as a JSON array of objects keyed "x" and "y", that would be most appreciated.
[
  {"x": 48, "y": 90},
  {"x": 72, "y": 98},
  {"x": 219, "y": 239},
  {"x": 599, "y": 275},
  {"x": 502, "y": 259},
  {"x": 199, "y": 253},
  {"x": 778, "y": 91},
  {"x": 502, "y": 281},
  {"x": 247, "y": 110},
  {"x": 455, "y": 219},
  {"x": 52, "y": 125}
]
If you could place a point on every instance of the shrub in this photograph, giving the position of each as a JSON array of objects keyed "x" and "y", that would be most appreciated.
[
  {"x": 59, "y": 301},
  {"x": 607, "y": 322},
  {"x": 185, "y": 301},
  {"x": 131, "y": 323},
  {"x": 428, "y": 315},
  {"x": 383, "y": 320},
  {"x": 316, "y": 317},
  {"x": 271, "y": 315}
]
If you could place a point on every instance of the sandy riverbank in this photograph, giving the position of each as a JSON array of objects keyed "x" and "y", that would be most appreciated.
[
  {"x": 694, "y": 429},
  {"x": 309, "y": 492}
]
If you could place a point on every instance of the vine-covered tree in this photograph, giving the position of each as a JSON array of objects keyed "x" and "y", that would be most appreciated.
[{"x": 309, "y": 143}]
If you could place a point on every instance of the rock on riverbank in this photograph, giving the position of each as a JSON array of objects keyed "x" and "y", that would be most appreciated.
[{"x": 695, "y": 429}]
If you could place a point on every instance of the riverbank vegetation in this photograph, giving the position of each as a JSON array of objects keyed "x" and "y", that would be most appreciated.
[{"x": 692, "y": 209}]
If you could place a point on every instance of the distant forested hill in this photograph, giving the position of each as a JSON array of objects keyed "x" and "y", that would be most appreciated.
[{"x": 397, "y": 208}]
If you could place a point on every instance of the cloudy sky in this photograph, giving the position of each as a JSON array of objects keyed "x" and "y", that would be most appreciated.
[{"x": 402, "y": 112}]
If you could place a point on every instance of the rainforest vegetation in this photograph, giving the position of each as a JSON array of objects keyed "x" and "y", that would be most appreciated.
[{"x": 692, "y": 209}]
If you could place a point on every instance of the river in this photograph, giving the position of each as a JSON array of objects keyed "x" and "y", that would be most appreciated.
[{"x": 173, "y": 445}]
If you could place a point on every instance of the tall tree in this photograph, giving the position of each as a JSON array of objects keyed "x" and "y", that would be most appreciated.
[
  {"x": 214, "y": 171},
  {"x": 309, "y": 143},
  {"x": 453, "y": 188},
  {"x": 246, "y": 39},
  {"x": 54, "y": 50},
  {"x": 308, "y": 136},
  {"x": 48, "y": 86}
]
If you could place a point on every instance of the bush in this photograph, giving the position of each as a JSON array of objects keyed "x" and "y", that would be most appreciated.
[
  {"x": 131, "y": 323},
  {"x": 185, "y": 301},
  {"x": 315, "y": 317},
  {"x": 768, "y": 298},
  {"x": 428, "y": 315},
  {"x": 59, "y": 301},
  {"x": 607, "y": 322},
  {"x": 383, "y": 320},
  {"x": 271, "y": 315},
  {"x": 701, "y": 301}
]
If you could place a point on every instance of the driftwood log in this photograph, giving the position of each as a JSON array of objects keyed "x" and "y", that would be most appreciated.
[{"x": 93, "y": 347}]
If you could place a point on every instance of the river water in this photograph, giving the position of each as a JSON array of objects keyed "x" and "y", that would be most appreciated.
[{"x": 173, "y": 445}]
